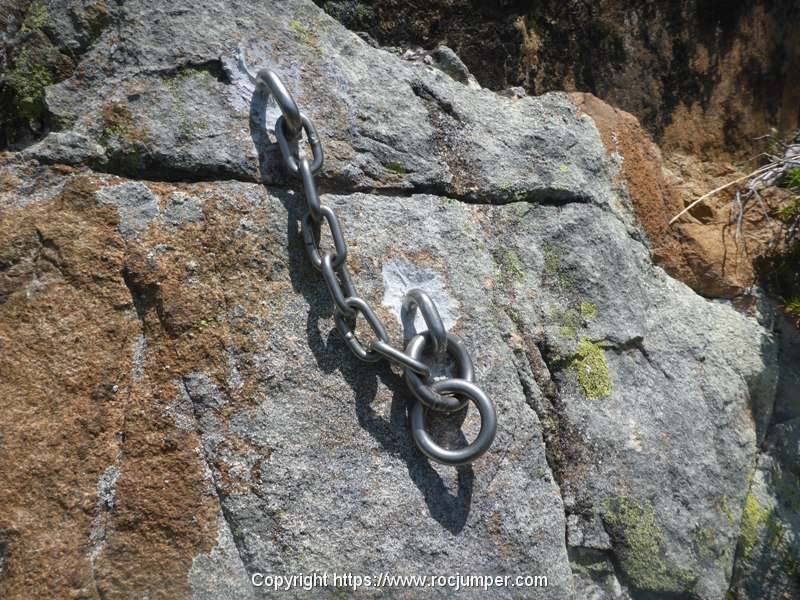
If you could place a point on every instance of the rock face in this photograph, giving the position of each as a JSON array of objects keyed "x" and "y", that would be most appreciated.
[{"x": 181, "y": 415}]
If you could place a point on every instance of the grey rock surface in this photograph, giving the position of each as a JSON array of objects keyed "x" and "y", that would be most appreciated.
[
  {"x": 447, "y": 60},
  {"x": 164, "y": 99},
  {"x": 630, "y": 409},
  {"x": 67, "y": 148},
  {"x": 135, "y": 203}
]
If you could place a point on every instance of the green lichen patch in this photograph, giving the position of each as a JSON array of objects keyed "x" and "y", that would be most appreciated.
[
  {"x": 706, "y": 542},
  {"x": 726, "y": 510},
  {"x": 569, "y": 322},
  {"x": 639, "y": 543},
  {"x": 180, "y": 85},
  {"x": 590, "y": 366},
  {"x": 588, "y": 310},
  {"x": 763, "y": 527},
  {"x": 307, "y": 33},
  {"x": 512, "y": 268},
  {"x": 572, "y": 319},
  {"x": 119, "y": 125},
  {"x": 395, "y": 167},
  {"x": 555, "y": 271},
  {"x": 552, "y": 259},
  {"x": 125, "y": 141},
  {"x": 779, "y": 542},
  {"x": 33, "y": 63}
]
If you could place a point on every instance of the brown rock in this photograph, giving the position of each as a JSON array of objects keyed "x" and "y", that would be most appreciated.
[{"x": 109, "y": 495}]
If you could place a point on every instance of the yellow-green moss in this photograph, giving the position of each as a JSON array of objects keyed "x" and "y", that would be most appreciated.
[
  {"x": 591, "y": 368},
  {"x": 29, "y": 78},
  {"x": 754, "y": 516},
  {"x": 35, "y": 18},
  {"x": 634, "y": 524},
  {"x": 588, "y": 310}
]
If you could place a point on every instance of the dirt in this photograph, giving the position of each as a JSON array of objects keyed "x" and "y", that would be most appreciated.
[{"x": 704, "y": 249}]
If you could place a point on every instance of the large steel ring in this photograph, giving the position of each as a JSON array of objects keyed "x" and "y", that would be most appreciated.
[
  {"x": 424, "y": 392},
  {"x": 418, "y": 299},
  {"x": 481, "y": 443}
]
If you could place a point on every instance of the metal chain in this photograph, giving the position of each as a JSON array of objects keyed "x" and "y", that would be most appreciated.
[{"x": 446, "y": 395}]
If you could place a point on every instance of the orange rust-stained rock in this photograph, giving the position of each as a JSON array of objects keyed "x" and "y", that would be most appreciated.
[
  {"x": 110, "y": 497},
  {"x": 654, "y": 200}
]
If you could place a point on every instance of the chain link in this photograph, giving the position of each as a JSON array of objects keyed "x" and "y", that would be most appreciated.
[
  {"x": 444, "y": 395},
  {"x": 312, "y": 236}
]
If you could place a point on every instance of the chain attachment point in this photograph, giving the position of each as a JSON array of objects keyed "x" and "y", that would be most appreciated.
[
  {"x": 424, "y": 392},
  {"x": 417, "y": 299}
]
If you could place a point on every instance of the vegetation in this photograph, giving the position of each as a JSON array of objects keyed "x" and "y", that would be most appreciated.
[
  {"x": 754, "y": 516},
  {"x": 511, "y": 267},
  {"x": 29, "y": 78},
  {"x": 395, "y": 167},
  {"x": 792, "y": 307},
  {"x": 591, "y": 368},
  {"x": 640, "y": 542},
  {"x": 351, "y": 13},
  {"x": 779, "y": 269},
  {"x": 35, "y": 18}
]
